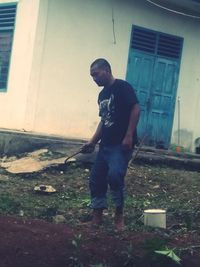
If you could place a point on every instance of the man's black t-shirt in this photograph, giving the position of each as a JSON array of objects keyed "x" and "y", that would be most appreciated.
[{"x": 115, "y": 104}]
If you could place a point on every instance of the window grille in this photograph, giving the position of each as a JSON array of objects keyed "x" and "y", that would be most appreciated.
[
  {"x": 156, "y": 43},
  {"x": 7, "y": 23},
  {"x": 143, "y": 40}
]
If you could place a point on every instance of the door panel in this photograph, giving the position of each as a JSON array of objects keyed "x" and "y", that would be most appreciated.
[
  {"x": 139, "y": 74},
  {"x": 163, "y": 93},
  {"x": 155, "y": 81}
]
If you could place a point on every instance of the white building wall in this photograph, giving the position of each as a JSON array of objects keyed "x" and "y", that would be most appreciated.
[
  {"x": 13, "y": 102},
  {"x": 57, "y": 95}
]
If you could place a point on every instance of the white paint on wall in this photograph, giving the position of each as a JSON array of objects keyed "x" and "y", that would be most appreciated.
[
  {"x": 76, "y": 34},
  {"x": 13, "y": 102},
  {"x": 54, "y": 45},
  {"x": 8, "y": 1}
]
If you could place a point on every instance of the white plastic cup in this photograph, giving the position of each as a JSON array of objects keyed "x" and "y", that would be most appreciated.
[{"x": 155, "y": 218}]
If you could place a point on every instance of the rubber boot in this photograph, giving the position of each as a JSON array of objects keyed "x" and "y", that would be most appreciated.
[{"x": 97, "y": 216}]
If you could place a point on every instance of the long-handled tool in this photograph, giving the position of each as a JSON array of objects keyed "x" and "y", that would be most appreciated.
[
  {"x": 71, "y": 156},
  {"x": 138, "y": 149},
  {"x": 84, "y": 149}
]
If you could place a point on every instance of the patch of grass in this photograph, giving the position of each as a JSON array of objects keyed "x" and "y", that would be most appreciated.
[
  {"x": 9, "y": 205},
  {"x": 176, "y": 191}
]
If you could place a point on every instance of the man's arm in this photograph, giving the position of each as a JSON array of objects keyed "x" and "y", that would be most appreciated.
[
  {"x": 90, "y": 145},
  {"x": 133, "y": 120}
]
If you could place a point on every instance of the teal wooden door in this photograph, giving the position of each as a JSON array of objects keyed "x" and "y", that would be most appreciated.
[
  {"x": 153, "y": 69},
  {"x": 162, "y": 102},
  {"x": 155, "y": 82},
  {"x": 139, "y": 74}
]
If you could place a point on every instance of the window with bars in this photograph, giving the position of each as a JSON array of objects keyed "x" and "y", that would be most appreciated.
[{"x": 7, "y": 23}]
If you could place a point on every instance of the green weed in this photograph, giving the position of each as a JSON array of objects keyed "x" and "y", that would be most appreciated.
[{"x": 9, "y": 205}]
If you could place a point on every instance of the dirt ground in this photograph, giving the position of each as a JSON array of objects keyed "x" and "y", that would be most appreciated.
[
  {"x": 31, "y": 243},
  {"x": 30, "y": 238}
]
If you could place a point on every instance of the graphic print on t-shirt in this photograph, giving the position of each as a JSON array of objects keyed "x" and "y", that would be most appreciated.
[{"x": 106, "y": 111}]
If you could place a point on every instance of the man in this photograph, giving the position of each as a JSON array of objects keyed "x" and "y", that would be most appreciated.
[{"x": 119, "y": 111}]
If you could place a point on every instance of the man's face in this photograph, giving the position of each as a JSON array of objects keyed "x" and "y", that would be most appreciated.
[{"x": 100, "y": 75}]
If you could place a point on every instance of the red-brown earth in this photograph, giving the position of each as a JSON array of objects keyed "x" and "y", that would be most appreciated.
[{"x": 31, "y": 239}]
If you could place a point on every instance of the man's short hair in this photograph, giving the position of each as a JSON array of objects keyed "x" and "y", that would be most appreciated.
[{"x": 102, "y": 63}]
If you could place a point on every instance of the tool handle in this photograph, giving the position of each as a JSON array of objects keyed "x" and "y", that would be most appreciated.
[{"x": 71, "y": 156}]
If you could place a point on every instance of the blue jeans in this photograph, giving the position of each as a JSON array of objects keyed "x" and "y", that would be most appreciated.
[{"x": 109, "y": 170}]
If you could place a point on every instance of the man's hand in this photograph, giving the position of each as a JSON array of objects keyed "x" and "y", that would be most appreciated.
[
  {"x": 127, "y": 143},
  {"x": 88, "y": 148}
]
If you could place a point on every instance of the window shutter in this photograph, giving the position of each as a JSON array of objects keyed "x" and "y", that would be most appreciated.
[
  {"x": 144, "y": 40},
  {"x": 156, "y": 43},
  {"x": 7, "y": 23},
  {"x": 169, "y": 46}
]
